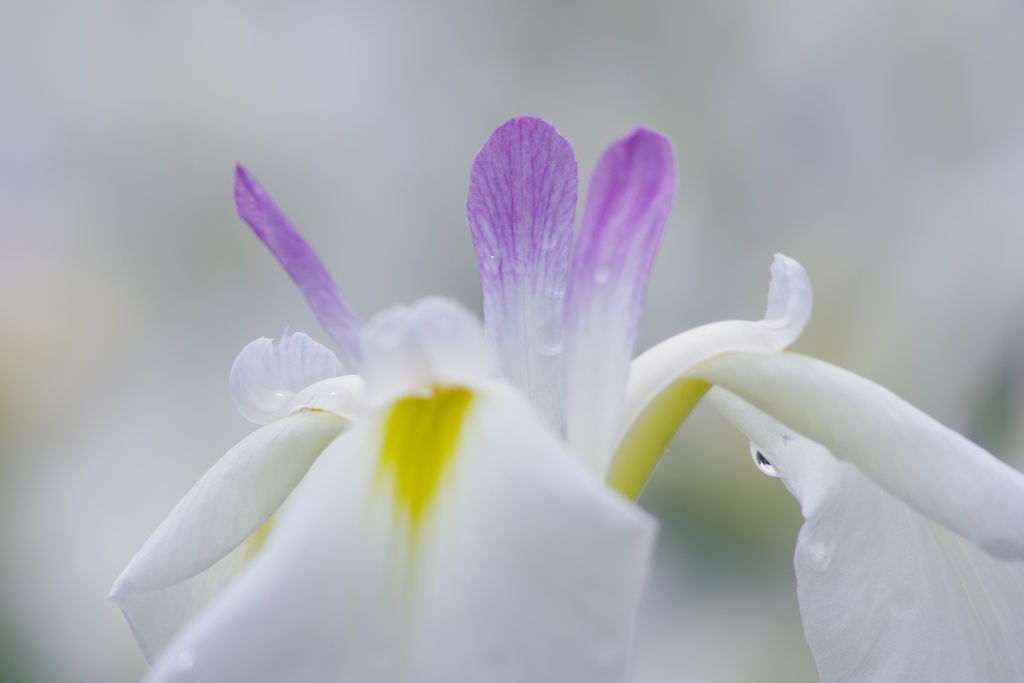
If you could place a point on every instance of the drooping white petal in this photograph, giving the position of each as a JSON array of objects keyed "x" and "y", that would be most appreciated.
[
  {"x": 523, "y": 568},
  {"x": 885, "y": 593},
  {"x": 409, "y": 349},
  {"x": 659, "y": 394},
  {"x": 265, "y": 378},
  {"x": 933, "y": 469},
  {"x": 186, "y": 559}
]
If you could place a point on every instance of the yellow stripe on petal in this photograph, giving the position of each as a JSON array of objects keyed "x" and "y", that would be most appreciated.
[
  {"x": 648, "y": 437},
  {"x": 252, "y": 545},
  {"x": 419, "y": 440}
]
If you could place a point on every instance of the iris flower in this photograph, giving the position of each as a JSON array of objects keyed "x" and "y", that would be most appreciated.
[{"x": 460, "y": 508}]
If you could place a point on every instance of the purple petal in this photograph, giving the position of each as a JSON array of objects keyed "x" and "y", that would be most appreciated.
[
  {"x": 522, "y": 199},
  {"x": 628, "y": 200},
  {"x": 257, "y": 209}
]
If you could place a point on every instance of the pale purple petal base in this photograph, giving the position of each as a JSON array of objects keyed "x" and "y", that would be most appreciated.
[
  {"x": 257, "y": 209},
  {"x": 628, "y": 201},
  {"x": 522, "y": 200}
]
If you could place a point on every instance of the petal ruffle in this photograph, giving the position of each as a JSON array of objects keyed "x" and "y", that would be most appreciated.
[
  {"x": 886, "y": 594},
  {"x": 933, "y": 469},
  {"x": 628, "y": 200},
  {"x": 266, "y": 378},
  {"x": 522, "y": 200},
  {"x": 659, "y": 395},
  {"x": 525, "y": 568},
  {"x": 304, "y": 267},
  {"x": 190, "y": 555}
]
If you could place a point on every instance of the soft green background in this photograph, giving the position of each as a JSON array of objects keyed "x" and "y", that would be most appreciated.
[{"x": 880, "y": 142}]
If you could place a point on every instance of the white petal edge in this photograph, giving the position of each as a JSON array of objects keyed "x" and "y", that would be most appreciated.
[
  {"x": 653, "y": 373},
  {"x": 932, "y": 468},
  {"x": 230, "y": 502},
  {"x": 528, "y": 569},
  {"x": 266, "y": 377},
  {"x": 886, "y": 594},
  {"x": 409, "y": 349}
]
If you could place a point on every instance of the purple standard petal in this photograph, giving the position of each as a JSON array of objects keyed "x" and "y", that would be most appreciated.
[
  {"x": 628, "y": 200},
  {"x": 306, "y": 269},
  {"x": 522, "y": 199}
]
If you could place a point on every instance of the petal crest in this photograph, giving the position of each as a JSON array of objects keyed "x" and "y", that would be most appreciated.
[
  {"x": 522, "y": 200},
  {"x": 628, "y": 200},
  {"x": 266, "y": 378},
  {"x": 660, "y": 394}
]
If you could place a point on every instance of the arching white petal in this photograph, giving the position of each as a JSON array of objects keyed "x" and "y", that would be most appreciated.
[
  {"x": 435, "y": 341},
  {"x": 524, "y": 568},
  {"x": 232, "y": 500},
  {"x": 265, "y": 378},
  {"x": 930, "y": 467},
  {"x": 886, "y": 594},
  {"x": 659, "y": 395}
]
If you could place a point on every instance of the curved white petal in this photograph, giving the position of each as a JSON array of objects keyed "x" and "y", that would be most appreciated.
[
  {"x": 886, "y": 594},
  {"x": 187, "y": 558},
  {"x": 933, "y": 469},
  {"x": 659, "y": 394},
  {"x": 265, "y": 378},
  {"x": 408, "y": 349},
  {"x": 524, "y": 568}
]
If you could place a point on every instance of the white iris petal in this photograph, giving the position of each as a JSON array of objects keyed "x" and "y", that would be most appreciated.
[
  {"x": 885, "y": 593},
  {"x": 519, "y": 565},
  {"x": 232, "y": 500}
]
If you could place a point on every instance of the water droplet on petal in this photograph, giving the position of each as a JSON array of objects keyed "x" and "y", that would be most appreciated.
[
  {"x": 818, "y": 555},
  {"x": 552, "y": 349},
  {"x": 550, "y": 241},
  {"x": 490, "y": 265},
  {"x": 602, "y": 274},
  {"x": 762, "y": 462},
  {"x": 186, "y": 659}
]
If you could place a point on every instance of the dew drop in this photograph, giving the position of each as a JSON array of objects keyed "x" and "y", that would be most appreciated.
[
  {"x": 552, "y": 349},
  {"x": 602, "y": 274},
  {"x": 550, "y": 241},
  {"x": 186, "y": 659},
  {"x": 818, "y": 555},
  {"x": 762, "y": 462},
  {"x": 490, "y": 265}
]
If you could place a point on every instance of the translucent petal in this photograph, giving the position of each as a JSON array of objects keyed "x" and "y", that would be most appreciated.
[
  {"x": 659, "y": 395},
  {"x": 435, "y": 341},
  {"x": 886, "y": 594},
  {"x": 265, "y": 378},
  {"x": 522, "y": 200},
  {"x": 930, "y": 467},
  {"x": 231, "y": 502},
  {"x": 628, "y": 200},
  {"x": 524, "y": 568}
]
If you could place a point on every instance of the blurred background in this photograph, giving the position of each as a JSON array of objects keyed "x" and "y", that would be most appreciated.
[{"x": 879, "y": 142}]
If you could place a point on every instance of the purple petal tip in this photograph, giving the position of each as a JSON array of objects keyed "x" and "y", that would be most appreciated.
[{"x": 302, "y": 264}]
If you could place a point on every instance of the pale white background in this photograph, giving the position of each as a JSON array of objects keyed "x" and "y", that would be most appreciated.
[{"x": 880, "y": 142}]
